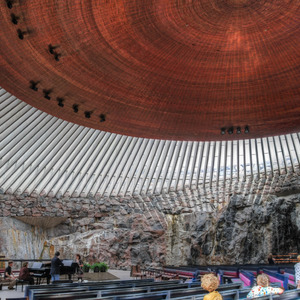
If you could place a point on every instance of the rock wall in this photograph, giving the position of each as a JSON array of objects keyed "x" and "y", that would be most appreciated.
[
  {"x": 244, "y": 233},
  {"x": 20, "y": 240},
  {"x": 135, "y": 239},
  {"x": 253, "y": 218}
]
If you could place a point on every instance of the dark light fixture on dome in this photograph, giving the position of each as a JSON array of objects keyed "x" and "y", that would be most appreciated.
[
  {"x": 33, "y": 85},
  {"x": 238, "y": 130},
  {"x": 230, "y": 130},
  {"x": 75, "y": 108},
  {"x": 223, "y": 130},
  {"x": 14, "y": 19},
  {"x": 60, "y": 101},
  {"x": 56, "y": 56},
  {"x": 246, "y": 129},
  {"x": 88, "y": 114},
  {"x": 102, "y": 118},
  {"x": 21, "y": 34},
  {"x": 9, "y": 4},
  {"x": 46, "y": 94},
  {"x": 51, "y": 48}
]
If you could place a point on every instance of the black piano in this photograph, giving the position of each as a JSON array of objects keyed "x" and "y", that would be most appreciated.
[
  {"x": 69, "y": 268},
  {"x": 42, "y": 270}
]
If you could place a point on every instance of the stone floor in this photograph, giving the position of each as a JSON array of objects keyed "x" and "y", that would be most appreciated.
[{"x": 116, "y": 274}]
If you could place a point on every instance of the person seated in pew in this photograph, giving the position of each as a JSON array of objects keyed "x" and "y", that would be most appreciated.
[
  {"x": 25, "y": 274},
  {"x": 297, "y": 272},
  {"x": 210, "y": 282},
  {"x": 262, "y": 288},
  {"x": 9, "y": 276}
]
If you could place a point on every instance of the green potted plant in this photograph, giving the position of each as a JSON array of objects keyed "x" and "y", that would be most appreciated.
[
  {"x": 99, "y": 267},
  {"x": 86, "y": 267},
  {"x": 96, "y": 267},
  {"x": 103, "y": 267}
]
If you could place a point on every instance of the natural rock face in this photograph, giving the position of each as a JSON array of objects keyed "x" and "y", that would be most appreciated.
[
  {"x": 244, "y": 233},
  {"x": 179, "y": 228},
  {"x": 128, "y": 241},
  {"x": 20, "y": 240}
]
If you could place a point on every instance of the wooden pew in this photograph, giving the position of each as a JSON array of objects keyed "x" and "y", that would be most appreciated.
[
  {"x": 95, "y": 291},
  {"x": 168, "y": 290},
  {"x": 276, "y": 277},
  {"x": 129, "y": 283},
  {"x": 137, "y": 272},
  {"x": 247, "y": 278},
  {"x": 35, "y": 293}
]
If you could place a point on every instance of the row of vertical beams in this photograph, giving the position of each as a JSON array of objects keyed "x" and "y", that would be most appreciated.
[{"x": 43, "y": 154}]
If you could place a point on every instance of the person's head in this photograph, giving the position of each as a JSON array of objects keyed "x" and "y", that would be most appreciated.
[
  {"x": 270, "y": 255},
  {"x": 210, "y": 282},
  {"x": 298, "y": 257},
  {"x": 57, "y": 253},
  {"x": 78, "y": 256},
  {"x": 10, "y": 263},
  {"x": 263, "y": 280},
  {"x": 25, "y": 264}
]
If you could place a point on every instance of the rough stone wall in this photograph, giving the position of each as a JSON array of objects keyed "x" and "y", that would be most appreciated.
[
  {"x": 20, "y": 240},
  {"x": 250, "y": 219},
  {"x": 131, "y": 240},
  {"x": 244, "y": 233}
]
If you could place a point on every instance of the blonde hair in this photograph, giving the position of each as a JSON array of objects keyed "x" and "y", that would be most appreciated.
[
  {"x": 263, "y": 280},
  {"x": 298, "y": 257},
  {"x": 210, "y": 282}
]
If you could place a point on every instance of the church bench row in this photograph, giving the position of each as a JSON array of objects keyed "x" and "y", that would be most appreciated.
[
  {"x": 34, "y": 290},
  {"x": 104, "y": 293},
  {"x": 227, "y": 295},
  {"x": 170, "y": 291},
  {"x": 169, "y": 273},
  {"x": 242, "y": 294},
  {"x": 105, "y": 284},
  {"x": 277, "y": 277},
  {"x": 47, "y": 290}
]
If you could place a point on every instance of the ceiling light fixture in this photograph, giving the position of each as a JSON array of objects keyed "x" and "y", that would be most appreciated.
[
  {"x": 46, "y": 94},
  {"x": 21, "y": 34},
  {"x": 230, "y": 130},
  {"x": 60, "y": 101},
  {"x": 75, "y": 108},
  {"x": 57, "y": 56},
  {"x": 14, "y": 19},
  {"x": 102, "y": 118},
  {"x": 51, "y": 49},
  {"x": 33, "y": 85},
  {"x": 9, "y": 4},
  {"x": 88, "y": 114}
]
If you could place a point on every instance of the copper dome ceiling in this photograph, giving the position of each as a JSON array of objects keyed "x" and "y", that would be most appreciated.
[{"x": 163, "y": 69}]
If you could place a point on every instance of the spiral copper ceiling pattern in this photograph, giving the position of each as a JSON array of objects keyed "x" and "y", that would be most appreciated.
[{"x": 179, "y": 69}]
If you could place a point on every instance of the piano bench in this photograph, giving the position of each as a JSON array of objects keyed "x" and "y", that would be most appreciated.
[{"x": 22, "y": 282}]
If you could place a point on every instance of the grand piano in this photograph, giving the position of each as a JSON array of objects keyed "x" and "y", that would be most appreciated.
[
  {"x": 42, "y": 270},
  {"x": 69, "y": 268}
]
